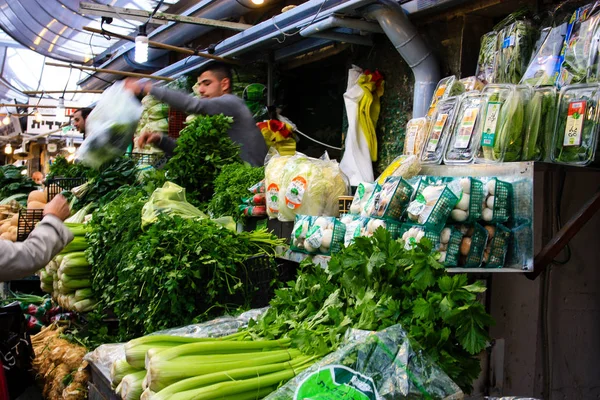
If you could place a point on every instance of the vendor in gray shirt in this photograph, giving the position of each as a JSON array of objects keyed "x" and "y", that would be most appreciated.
[{"x": 215, "y": 84}]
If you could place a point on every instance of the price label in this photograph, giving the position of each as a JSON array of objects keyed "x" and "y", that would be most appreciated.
[
  {"x": 436, "y": 132},
  {"x": 411, "y": 138},
  {"x": 465, "y": 129},
  {"x": 574, "y": 128},
  {"x": 490, "y": 125}
]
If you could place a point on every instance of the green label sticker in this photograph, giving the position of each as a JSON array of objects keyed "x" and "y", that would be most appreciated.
[
  {"x": 336, "y": 382},
  {"x": 488, "y": 137},
  {"x": 361, "y": 191}
]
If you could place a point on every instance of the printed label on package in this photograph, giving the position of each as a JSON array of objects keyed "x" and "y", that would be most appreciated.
[
  {"x": 436, "y": 132},
  {"x": 574, "y": 128},
  {"x": 465, "y": 129},
  {"x": 295, "y": 192},
  {"x": 273, "y": 198},
  {"x": 411, "y": 138},
  {"x": 337, "y": 382},
  {"x": 488, "y": 137}
]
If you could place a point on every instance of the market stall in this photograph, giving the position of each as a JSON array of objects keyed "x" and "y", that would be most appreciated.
[{"x": 195, "y": 275}]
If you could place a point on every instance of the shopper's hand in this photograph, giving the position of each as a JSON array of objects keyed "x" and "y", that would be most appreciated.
[
  {"x": 148, "y": 138},
  {"x": 59, "y": 207},
  {"x": 137, "y": 88}
]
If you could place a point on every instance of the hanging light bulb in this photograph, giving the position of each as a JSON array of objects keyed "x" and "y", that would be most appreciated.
[
  {"x": 8, "y": 149},
  {"x": 6, "y": 119},
  {"x": 141, "y": 45},
  {"x": 38, "y": 115},
  {"x": 60, "y": 110},
  {"x": 258, "y": 2}
]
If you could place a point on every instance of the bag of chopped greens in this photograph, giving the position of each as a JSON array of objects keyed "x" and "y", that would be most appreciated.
[
  {"x": 515, "y": 43},
  {"x": 580, "y": 50},
  {"x": 545, "y": 63},
  {"x": 488, "y": 53},
  {"x": 110, "y": 126}
]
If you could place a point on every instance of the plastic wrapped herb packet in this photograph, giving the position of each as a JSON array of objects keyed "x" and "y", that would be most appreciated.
[
  {"x": 576, "y": 129},
  {"x": 462, "y": 145},
  {"x": 439, "y": 131}
]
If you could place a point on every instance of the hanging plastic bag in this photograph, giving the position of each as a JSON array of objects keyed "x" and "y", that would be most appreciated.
[{"x": 110, "y": 126}]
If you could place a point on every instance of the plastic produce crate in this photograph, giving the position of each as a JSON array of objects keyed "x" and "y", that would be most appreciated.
[
  {"x": 27, "y": 221},
  {"x": 148, "y": 159},
  {"x": 176, "y": 122},
  {"x": 57, "y": 185},
  {"x": 99, "y": 386},
  {"x": 262, "y": 273}
]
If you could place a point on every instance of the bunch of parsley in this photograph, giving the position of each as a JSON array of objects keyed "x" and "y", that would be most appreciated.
[
  {"x": 374, "y": 284},
  {"x": 203, "y": 149},
  {"x": 231, "y": 186}
]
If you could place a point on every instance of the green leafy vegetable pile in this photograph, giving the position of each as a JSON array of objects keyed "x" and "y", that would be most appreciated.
[
  {"x": 377, "y": 283},
  {"x": 12, "y": 182},
  {"x": 231, "y": 186},
  {"x": 61, "y": 168},
  {"x": 203, "y": 149},
  {"x": 176, "y": 272}
]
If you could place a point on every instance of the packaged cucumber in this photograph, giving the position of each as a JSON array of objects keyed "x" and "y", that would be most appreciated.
[
  {"x": 439, "y": 131},
  {"x": 576, "y": 129},
  {"x": 462, "y": 145}
]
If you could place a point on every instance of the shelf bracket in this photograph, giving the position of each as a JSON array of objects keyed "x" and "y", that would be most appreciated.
[{"x": 547, "y": 255}]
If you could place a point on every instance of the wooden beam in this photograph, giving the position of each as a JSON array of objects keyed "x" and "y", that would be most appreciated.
[
  {"x": 152, "y": 43},
  {"x": 34, "y": 92},
  {"x": 547, "y": 255},
  {"x": 158, "y": 18},
  {"x": 111, "y": 71}
]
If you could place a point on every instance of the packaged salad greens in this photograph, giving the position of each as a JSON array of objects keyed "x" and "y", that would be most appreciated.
[
  {"x": 439, "y": 131},
  {"x": 415, "y": 136},
  {"x": 502, "y": 124},
  {"x": 515, "y": 43},
  {"x": 540, "y": 116},
  {"x": 463, "y": 142},
  {"x": 545, "y": 63},
  {"x": 487, "y": 61},
  {"x": 580, "y": 46},
  {"x": 576, "y": 130}
]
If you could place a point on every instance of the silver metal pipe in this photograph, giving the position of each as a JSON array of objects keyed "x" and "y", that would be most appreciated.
[
  {"x": 338, "y": 22},
  {"x": 344, "y": 38},
  {"x": 412, "y": 48}
]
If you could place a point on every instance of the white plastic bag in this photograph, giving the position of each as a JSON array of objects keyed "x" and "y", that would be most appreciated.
[{"x": 110, "y": 126}]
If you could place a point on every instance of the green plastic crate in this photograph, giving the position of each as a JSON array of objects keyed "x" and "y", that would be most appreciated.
[
  {"x": 498, "y": 247},
  {"x": 453, "y": 250},
  {"x": 434, "y": 237},
  {"x": 478, "y": 244},
  {"x": 337, "y": 239},
  {"x": 503, "y": 201},
  {"x": 476, "y": 201},
  {"x": 441, "y": 211},
  {"x": 399, "y": 193}
]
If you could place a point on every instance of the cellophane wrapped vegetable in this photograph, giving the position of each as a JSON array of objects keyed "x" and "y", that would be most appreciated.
[
  {"x": 580, "y": 49},
  {"x": 503, "y": 121},
  {"x": 515, "y": 43},
  {"x": 488, "y": 55},
  {"x": 310, "y": 186},
  {"x": 439, "y": 131},
  {"x": 415, "y": 136},
  {"x": 442, "y": 91},
  {"x": 576, "y": 130},
  {"x": 463, "y": 143},
  {"x": 273, "y": 173},
  {"x": 545, "y": 63},
  {"x": 471, "y": 83},
  {"x": 541, "y": 116}
]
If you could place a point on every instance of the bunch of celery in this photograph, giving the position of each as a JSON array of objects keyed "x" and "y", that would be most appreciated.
[
  {"x": 70, "y": 273},
  {"x": 181, "y": 368}
]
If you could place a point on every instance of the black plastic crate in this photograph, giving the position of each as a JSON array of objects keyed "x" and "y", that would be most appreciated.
[
  {"x": 155, "y": 160},
  {"x": 99, "y": 386},
  {"x": 27, "y": 221},
  {"x": 58, "y": 185},
  {"x": 263, "y": 275}
]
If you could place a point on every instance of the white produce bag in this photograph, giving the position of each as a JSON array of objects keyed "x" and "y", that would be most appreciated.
[
  {"x": 110, "y": 126},
  {"x": 356, "y": 162}
]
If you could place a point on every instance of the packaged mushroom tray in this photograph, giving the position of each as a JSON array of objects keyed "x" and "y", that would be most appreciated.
[
  {"x": 360, "y": 226},
  {"x": 317, "y": 235}
]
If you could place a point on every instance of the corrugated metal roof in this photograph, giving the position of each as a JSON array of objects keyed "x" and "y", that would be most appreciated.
[{"x": 54, "y": 28}]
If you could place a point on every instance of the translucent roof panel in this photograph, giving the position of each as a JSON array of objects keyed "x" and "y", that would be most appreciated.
[{"x": 54, "y": 28}]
